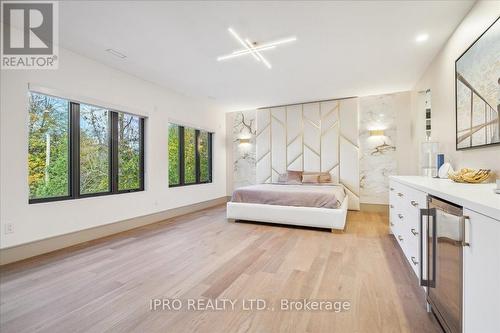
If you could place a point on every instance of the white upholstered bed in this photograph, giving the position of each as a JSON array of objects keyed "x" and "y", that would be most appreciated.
[{"x": 305, "y": 205}]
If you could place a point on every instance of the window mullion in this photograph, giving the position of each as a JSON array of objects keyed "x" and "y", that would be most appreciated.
[
  {"x": 210, "y": 157},
  {"x": 197, "y": 155},
  {"x": 114, "y": 151},
  {"x": 74, "y": 150},
  {"x": 181, "y": 155},
  {"x": 141, "y": 156}
]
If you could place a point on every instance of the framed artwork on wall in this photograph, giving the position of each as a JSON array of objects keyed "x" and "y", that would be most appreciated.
[{"x": 477, "y": 91}]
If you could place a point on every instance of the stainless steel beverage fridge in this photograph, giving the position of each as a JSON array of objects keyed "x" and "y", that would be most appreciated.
[{"x": 442, "y": 238}]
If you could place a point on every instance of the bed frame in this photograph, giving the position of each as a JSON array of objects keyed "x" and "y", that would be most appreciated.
[{"x": 330, "y": 218}]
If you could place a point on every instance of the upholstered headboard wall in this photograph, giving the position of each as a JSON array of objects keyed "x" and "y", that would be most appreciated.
[{"x": 319, "y": 136}]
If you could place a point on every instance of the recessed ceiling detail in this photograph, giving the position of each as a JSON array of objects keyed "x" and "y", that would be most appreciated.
[
  {"x": 422, "y": 38},
  {"x": 253, "y": 48},
  {"x": 116, "y": 53}
]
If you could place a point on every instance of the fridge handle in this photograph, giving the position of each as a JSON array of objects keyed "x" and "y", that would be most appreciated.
[
  {"x": 423, "y": 212},
  {"x": 429, "y": 213},
  {"x": 432, "y": 213},
  {"x": 465, "y": 230}
]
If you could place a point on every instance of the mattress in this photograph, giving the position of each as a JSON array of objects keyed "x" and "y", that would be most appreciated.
[{"x": 303, "y": 195}]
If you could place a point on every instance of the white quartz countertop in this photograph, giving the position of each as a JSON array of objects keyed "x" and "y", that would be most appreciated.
[{"x": 480, "y": 198}]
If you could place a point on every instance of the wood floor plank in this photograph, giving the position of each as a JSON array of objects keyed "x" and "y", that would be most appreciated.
[{"x": 107, "y": 285}]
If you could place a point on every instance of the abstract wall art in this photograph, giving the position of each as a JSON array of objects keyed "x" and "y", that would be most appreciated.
[{"x": 477, "y": 89}]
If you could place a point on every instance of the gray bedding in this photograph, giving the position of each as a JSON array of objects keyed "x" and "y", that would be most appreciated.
[{"x": 303, "y": 195}]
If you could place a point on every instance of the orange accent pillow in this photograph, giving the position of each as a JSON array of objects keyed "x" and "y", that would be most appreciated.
[
  {"x": 325, "y": 177},
  {"x": 314, "y": 178}
]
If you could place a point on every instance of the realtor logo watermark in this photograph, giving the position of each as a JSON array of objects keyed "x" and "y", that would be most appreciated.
[
  {"x": 30, "y": 34},
  {"x": 250, "y": 304}
]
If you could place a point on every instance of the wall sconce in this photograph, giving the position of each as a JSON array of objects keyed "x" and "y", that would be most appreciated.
[
  {"x": 377, "y": 133},
  {"x": 243, "y": 141}
]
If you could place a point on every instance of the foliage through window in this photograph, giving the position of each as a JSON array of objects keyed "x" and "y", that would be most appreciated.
[
  {"x": 48, "y": 153},
  {"x": 204, "y": 156},
  {"x": 129, "y": 152},
  {"x": 189, "y": 156},
  {"x": 94, "y": 149},
  {"x": 173, "y": 155},
  {"x": 77, "y": 150}
]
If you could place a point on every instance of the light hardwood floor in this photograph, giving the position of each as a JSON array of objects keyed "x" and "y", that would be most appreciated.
[{"x": 107, "y": 285}]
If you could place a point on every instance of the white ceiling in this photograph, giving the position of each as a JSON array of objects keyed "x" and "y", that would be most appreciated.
[{"x": 343, "y": 49}]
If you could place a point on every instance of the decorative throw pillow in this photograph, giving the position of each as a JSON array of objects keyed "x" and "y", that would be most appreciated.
[
  {"x": 313, "y": 178},
  {"x": 294, "y": 176},
  {"x": 325, "y": 177},
  {"x": 282, "y": 178}
]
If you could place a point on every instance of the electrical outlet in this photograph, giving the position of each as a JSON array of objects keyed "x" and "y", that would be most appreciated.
[{"x": 9, "y": 228}]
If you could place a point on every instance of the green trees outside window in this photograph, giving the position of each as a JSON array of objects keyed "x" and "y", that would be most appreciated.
[
  {"x": 129, "y": 152},
  {"x": 173, "y": 155},
  {"x": 94, "y": 150},
  {"x": 204, "y": 156},
  {"x": 189, "y": 156},
  {"x": 48, "y": 151},
  {"x": 77, "y": 150}
]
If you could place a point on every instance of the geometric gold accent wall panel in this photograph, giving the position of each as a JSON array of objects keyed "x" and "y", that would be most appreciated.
[
  {"x": 294, "y": 138},
  {"x": 278, "y": 142},
  {"x": 319, "y": 136},
  {"x": 349, "y": 169},
  {"x": 330, "y": 138},
  {"x": 349, "y": 120},
  {"x": 263, "y": 146},
  {"x": 349, "y": 149},
  {"x": 312, "y": 137}
]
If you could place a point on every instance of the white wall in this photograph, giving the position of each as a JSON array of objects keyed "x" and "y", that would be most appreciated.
[
  {"x": 440, "y": 78},
  {"x": 80, "y": 76}
]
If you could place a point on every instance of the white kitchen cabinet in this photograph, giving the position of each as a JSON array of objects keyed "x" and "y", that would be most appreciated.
[
  {"x": 481, "y": 272},
  {"x": 404, "y": 220},
  {"x": 481, "y": 258}
]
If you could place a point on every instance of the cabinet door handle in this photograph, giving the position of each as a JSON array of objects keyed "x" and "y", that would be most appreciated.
[
  {"x": 400, "y": 194},
  {"x": 401, "y": 216},
  {"x": 391, "y": 188},
  {"x": 392, "y": 206},
  {"x": 400, "y": 237},
  {"x": 414, "y": 261},
  {"x": 414, "y": 203},
  {"x": 414, "y": 232}
]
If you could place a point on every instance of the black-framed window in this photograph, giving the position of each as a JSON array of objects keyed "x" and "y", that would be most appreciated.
[
  {"x": 79, "y": 150},
  {"x": 189, "y": 156}
]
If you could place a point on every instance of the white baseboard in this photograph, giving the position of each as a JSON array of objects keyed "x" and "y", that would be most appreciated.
[{"x": 32, "y": 249}]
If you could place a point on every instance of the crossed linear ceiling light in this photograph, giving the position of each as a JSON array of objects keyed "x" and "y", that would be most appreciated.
[{"x": 254, "y": 49}]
